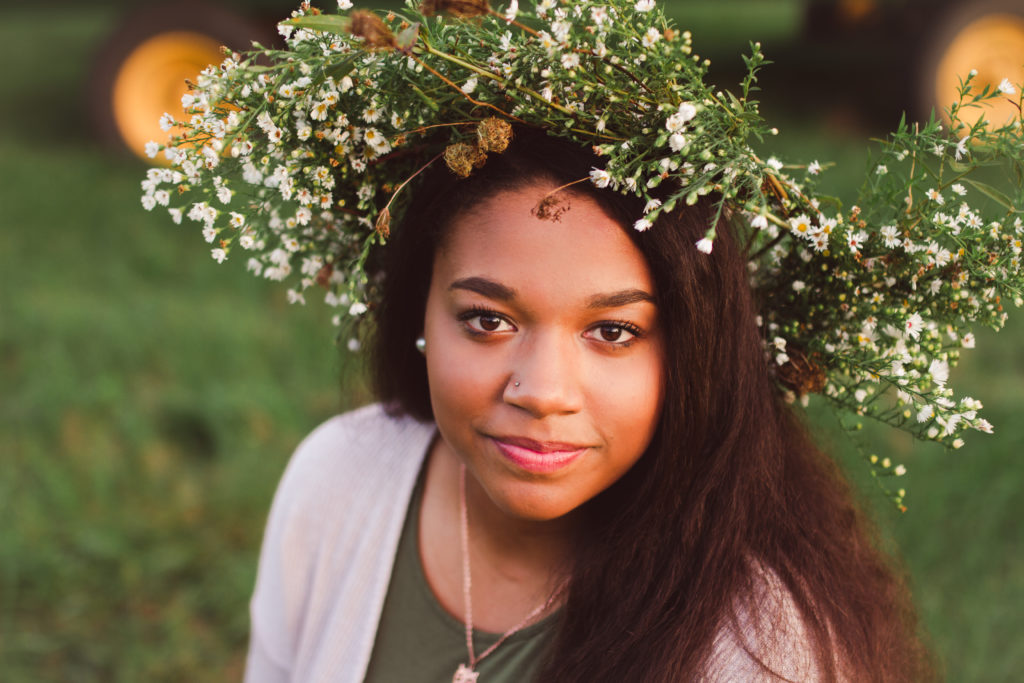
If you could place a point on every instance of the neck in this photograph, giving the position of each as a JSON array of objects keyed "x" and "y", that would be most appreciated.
[
  {"x": 514, "y": 545},
  {"x": 515, "y": 563}
]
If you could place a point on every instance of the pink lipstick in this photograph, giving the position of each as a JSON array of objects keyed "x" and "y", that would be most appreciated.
[{"x": 538, "y": 457}]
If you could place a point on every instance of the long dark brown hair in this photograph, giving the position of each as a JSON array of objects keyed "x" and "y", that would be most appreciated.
[{"x": 731, "y": 489}]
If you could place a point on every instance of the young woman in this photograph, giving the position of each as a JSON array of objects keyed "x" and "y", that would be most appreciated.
[{"x": 580, "y": 468}]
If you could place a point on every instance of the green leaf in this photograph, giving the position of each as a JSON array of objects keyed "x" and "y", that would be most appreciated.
[
  {"x": 429, "y": 102},
  {"x": 329, "y": 23},
  {"x": 991, "y": 193},
  {"x": 342, "y": 68}
]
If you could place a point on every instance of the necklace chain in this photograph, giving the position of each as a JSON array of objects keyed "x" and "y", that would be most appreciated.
[{"x": 466, "y": 673}]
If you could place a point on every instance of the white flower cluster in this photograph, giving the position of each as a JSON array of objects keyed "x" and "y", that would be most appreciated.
[{"x": 299, "y": 157}]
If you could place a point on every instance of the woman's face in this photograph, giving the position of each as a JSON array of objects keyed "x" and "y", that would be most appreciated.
[{"x": 544, "y": 352}]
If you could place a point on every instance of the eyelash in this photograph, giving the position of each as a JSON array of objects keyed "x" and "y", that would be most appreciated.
[{"x": 623, "y": 325}]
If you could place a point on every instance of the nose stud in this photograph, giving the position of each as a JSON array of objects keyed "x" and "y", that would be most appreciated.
[
  {"x": 421, "y": 344},
  {"x": 515, "y": 384}
]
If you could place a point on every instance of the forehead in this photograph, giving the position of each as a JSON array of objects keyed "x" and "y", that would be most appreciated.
[{"x": 502, "y": 238}]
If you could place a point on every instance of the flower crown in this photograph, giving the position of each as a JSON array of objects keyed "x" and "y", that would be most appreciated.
[{"x": 298, "y": 159}]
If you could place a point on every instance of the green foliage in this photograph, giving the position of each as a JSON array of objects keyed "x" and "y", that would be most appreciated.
[{"x": 149, "y": 401}]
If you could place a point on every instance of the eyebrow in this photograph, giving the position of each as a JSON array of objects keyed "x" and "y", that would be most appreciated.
[
  {"x": 485, "y": 287},
  {"x": 499, "y": 292},
  {"x": 617, "y": 299}
]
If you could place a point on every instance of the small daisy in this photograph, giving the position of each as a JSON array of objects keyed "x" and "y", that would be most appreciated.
[
  {"x": 652, "y": 36},
  {"x": 801, "y": 225},
  {"x": 600, "y": 177},
  {"x": 913, "y": 325}
]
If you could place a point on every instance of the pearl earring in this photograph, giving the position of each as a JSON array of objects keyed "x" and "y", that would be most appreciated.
[{"x": 421, "y": 344}]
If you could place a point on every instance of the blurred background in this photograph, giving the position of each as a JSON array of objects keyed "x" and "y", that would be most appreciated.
[{"x": 149, "y": 398}]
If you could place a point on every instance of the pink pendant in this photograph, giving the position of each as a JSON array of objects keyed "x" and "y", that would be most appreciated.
[{"x": 465, "y": 675}]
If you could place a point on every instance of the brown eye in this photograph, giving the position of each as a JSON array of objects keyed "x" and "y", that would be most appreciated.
[
  {"x": 619, "y": 335},
  {"x": 611, "y": 333},
  {"x": 489, "y": 323}
]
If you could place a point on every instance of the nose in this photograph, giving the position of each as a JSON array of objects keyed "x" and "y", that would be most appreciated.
[{"x": 546, "y": 376}]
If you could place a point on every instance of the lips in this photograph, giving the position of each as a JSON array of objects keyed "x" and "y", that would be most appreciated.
[{"x": 540, "y": 457}]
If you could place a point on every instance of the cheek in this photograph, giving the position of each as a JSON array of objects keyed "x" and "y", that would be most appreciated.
[
  {"x": 461, "y": 380},
  {"x": 629, "y": 401}
]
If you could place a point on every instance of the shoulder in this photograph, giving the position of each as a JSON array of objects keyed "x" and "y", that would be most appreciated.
[
  {"x": 766, "y": 638},
  {"x": 353, "y": 472},
  {"x": 365, "y": 445},
  {"x": 330, "y": 536}
]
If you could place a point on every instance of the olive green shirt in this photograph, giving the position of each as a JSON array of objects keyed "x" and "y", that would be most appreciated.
[{"x": 419, "y": 642}]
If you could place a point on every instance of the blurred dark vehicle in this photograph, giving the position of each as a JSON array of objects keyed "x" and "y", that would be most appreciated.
[{"x": 872, "y": 55}]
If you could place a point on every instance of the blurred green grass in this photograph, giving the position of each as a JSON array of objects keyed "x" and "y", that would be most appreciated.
[{"x": 149, "y": 400}]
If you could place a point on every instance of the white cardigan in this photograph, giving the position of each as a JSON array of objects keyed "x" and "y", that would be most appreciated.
[{"x": 330, "y": 545}]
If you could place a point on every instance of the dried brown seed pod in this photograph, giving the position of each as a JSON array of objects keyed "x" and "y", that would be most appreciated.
[
  {"x": 801, "y": 373},
  {"x": 493, "y": 134},
  {"x": 456, "y": 8},
  {"x": 372, "y": 29},
  {"x": 383, "y": 225},
  {"x": 462, "y": 158}
]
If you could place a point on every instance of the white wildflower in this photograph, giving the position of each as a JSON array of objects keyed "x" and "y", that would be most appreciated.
[
  {"x": 760, "y": 222},
  {"x": 652, "y": 205},
  {"x": 774, "y": 163},
  {"x": 939, "y": 371},
  {"x": 925, "y": 413},
  {"x": 676, "y": 141},
  {"x": 961, "y": 147},
  {"x": 935, "y": 196},
  {"x": 881, "y": 169},
  {"x": 814, "y": 168},
  {"x": 891, "y": 235},
  {"x": 913, "y": 325},
  {"x": 600, "y": 177},
  {"x": 152, "y": 149},
  {"x": 358, "y": 308},
  {"x": 899, "y": 470},
  {"x": 644, "y": 5},
  {"x": 959, "y": 189},
  {"x": 219, "y": 255},
  {"x": 353, "y": 345},
  {"x": 799, "y": 285},
  {"x": 705, "y": 245},
  {"x": 801, "y": 225},
  {"x": 469, "y": 86},
  {"x": 1006, "y": 87},
  {"x": 247, "y": 241},
  {"x": 652, "y": 36},
  {"x": 967, "y": 341},
  {"x": 642, "y": 225},
  {"x": 570, "y": 60}
]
